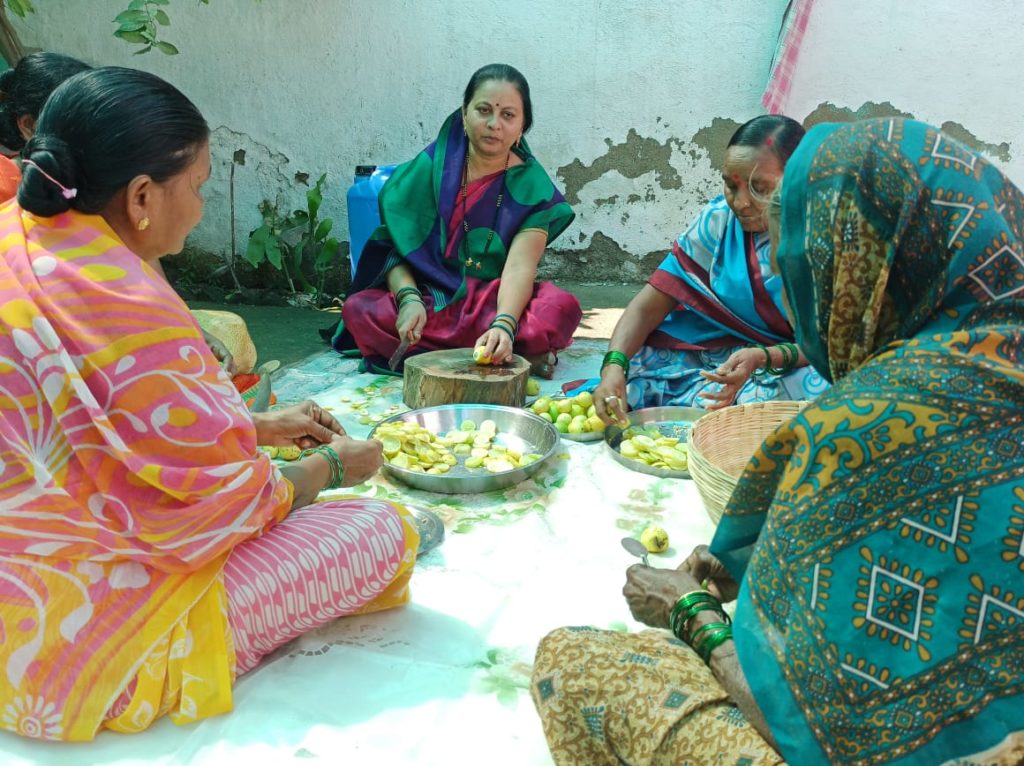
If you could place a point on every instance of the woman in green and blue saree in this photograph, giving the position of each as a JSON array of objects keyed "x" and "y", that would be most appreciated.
[
  {"x": 464, "y": 226},
  {"x": 875, "y": 543}
]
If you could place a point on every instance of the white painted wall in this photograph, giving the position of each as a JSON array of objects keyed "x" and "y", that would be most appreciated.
[
  {"x": 323, "y": 85},
  {"x": 940, "y": 60}
]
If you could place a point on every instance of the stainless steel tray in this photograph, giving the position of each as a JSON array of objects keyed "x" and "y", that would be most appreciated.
[
  {"x": 670, "y": 421},
  {"x": 517, "y": 429}
]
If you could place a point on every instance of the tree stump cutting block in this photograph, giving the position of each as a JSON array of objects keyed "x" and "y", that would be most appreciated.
[{"x": 452, "y": 377}]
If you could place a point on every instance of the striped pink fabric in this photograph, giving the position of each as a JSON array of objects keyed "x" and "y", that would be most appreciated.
[
  {"x": 791, "y": 36},
  {"x": 323, "y": 561}
]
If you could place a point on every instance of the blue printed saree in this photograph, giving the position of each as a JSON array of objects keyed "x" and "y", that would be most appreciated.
[{"x": 880, "y": 533}]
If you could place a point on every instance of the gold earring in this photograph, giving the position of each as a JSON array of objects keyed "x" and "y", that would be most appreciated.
[
  {"x": 143, "y": 224},
  {"x": 519, "y": 141}
]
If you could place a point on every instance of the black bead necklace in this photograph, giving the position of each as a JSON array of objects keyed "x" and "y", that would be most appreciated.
[{"x": 497, "y": 209}]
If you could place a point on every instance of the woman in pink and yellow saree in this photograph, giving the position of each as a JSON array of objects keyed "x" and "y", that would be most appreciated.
[{"x": 148, "y": 552}]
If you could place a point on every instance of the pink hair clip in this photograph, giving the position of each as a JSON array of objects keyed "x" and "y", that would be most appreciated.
[{"x": 67, "y": 193}]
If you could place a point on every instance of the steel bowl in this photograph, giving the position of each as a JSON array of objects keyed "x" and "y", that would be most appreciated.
[
  {"x": 517, "y": 429},
  {"x": 671, "y": 421}
]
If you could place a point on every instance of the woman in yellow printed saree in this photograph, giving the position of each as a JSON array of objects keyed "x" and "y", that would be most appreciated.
[
  {"x": 148, "y": 552},
  {"x": 878, "y": 535}
]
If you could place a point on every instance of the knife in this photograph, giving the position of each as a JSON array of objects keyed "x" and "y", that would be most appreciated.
[{"x": 396, "y": 358}]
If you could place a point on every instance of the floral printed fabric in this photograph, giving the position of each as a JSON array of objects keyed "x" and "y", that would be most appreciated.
[{"x": 645, "y": 699}]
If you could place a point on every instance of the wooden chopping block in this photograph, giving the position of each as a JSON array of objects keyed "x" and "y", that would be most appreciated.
[{"x": 451, "y": 376}]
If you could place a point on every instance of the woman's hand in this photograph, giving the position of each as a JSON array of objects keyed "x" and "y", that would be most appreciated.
[
  {"x": 651, "y": 593},
  {"x": 221, "y": 352},
  {"x": 361, "y": 459},
  {"x": 713, "y": 576},
  {"x": 498, "y": 344},
  {"x": 412, "y": 318},
  {"x": 303, "y": 425},
  {"x": 610, "y": 396},
  {"x": 733, "y": 375}
]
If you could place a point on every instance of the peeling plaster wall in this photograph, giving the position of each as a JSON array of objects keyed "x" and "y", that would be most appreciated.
[
  {"x": 947, "y": 62},
  {"x": 634, "y": 99}
]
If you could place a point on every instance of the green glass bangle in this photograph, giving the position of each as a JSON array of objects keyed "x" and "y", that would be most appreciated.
[
  {"x": 513, "y": 322},
  {"x": 703, "y": 629},
  {"x": 333, "y": 462},
  {"x": 406, "y": 289},
  {"x": 411, "y": 299},
  {"x": 787, "y": 357},
  {"x": 712, "y": 642},
  {"x": 687, "y": 606},
  {"x": 688, "y": 600},
  {"x": 768, "y": 369},
  {"x": 502, "y": 326},
  {"x": 794, "y": 358},
  {"x": 683, "y": 619},
  {"x": 767, "y": 359},
  {"x": 616, "y": 357}
]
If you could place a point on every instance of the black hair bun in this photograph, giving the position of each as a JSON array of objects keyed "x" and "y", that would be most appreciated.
[{"x": 48, "y": 155}]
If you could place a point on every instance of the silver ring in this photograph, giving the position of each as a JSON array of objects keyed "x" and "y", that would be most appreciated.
[{"x": 611, "y": 398}]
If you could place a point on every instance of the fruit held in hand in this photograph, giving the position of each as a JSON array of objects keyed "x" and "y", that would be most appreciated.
[
  {"x": 288, "y": 453},
  {"x": 654, "y": 539},
  {"x": 480, "y": 355}
]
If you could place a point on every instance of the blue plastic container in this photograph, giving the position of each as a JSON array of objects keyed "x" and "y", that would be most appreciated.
[{"x": 363, "y": 213}]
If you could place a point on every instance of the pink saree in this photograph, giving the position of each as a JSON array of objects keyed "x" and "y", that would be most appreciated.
[{"x": 128, "y": 474}]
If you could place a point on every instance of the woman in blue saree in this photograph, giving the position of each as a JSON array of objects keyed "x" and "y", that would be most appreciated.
[
  {"x": 711, "y": 314},
  {"x": 878, "y": 538}
]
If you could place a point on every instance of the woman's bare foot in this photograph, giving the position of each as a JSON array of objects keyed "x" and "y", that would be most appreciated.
[{"x": 543, "y": 365}]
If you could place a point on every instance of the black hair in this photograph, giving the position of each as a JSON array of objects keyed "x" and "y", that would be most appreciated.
[
  {"x": 776, "y": 132},
  {"x": 102, "y": 128},
  {"x": 25, "y": 88},
  {"x": 502, "y": 73}
]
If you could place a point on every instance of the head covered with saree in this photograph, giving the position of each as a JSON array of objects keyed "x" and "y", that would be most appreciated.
[{"x": 880, "y": 533}]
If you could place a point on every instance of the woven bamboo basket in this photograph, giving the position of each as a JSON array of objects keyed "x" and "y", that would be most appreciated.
[{"x": 722, "y": 443}]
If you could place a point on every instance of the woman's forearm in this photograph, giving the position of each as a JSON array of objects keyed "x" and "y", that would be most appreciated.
[
  {"x": 308, "y": 476},
  {"x": 642, "y": 316},
  {"x": 400, "y": 276},
  {"x": 516, "y": 289},
  {"x": 725, "y": 664},
  {"x": 777, "y": 358},
  {"x": 520, "y": 272}
]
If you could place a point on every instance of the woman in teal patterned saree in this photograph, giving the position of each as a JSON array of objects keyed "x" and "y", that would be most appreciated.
[{"x": 879, "y": 536}]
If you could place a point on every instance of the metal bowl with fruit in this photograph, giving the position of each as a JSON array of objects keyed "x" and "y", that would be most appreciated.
[
  {"x": 572, "y": 416},
  {"x": 655, "y": 441},
  {"x": 464, "y": 448}
]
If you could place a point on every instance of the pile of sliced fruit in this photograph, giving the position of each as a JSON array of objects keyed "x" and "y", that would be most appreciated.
[
  {"x": 649, "y": 445},
  {"x": 412, "y": 447},
  {"x": 569, "y": 415}
]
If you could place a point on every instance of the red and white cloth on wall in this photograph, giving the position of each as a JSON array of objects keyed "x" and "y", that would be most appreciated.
[{"x": 791, "y": 35}]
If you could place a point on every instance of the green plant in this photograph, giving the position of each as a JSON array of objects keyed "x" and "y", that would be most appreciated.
[
  {"x": 138, "y": 24},
  {"x": 297, "y": 243}
]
